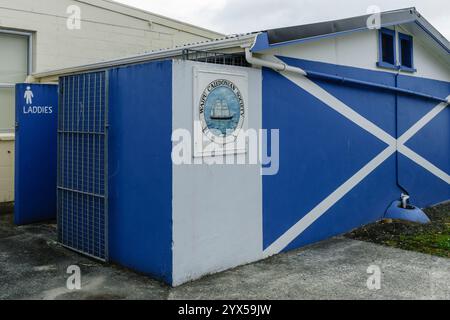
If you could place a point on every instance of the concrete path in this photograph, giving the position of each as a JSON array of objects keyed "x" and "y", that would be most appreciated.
[{"x": 33, "y": 266}]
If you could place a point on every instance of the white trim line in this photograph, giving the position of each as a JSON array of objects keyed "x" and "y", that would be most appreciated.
[
  {"x": 7, "y": 85},
  {"x": 407, "y": 152},
  {"x": 7, "y": 136},
  {"x": 334, "y": 103},
  {"x": 394, "y": 145},
  {"x": 422, "y": 122},
  {"x": 30, "y": 54},
  {"x": 424, "y": 163},
  {"x": 327, "y": 203},
  {"x": 20, "y": 33}
]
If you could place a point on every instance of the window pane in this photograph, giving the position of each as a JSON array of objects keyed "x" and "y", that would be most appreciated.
[
  {"x": 406, "y": 49},
  {"x": 388, "y": 48},
  {"x": 7, "y": 108},
  {"x": 13, "y": 58}
]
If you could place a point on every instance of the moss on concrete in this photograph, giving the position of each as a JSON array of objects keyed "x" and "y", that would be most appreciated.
[{"x": 433, "y": 238}]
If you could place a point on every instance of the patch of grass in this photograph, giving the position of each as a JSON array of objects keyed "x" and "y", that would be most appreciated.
[{"x": 433, "y": 238}]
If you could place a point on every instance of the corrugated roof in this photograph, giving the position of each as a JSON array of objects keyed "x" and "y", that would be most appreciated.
[
  {"x": 231, "y": 41},
  {"x": 271, "y": 38}
]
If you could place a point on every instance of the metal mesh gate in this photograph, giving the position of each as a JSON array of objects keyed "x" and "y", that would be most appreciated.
[{"x": 82, "y": 164}]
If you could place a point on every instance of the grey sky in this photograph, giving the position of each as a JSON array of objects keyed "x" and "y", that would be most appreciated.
[{"x": 239, "y": 16}]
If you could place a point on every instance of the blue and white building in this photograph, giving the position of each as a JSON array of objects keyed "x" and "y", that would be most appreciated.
[{"x": 362, "y": 118}]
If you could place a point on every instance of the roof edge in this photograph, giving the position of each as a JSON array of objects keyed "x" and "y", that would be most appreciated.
[
  {"x": 309, "y": 32},
  {"x": 238, "y": 41},
  {"x": 151, "y": 17}
]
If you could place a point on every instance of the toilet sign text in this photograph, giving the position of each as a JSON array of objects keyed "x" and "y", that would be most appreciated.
[
  {"x": 38, "y": 110},
  {"x": 29, "y": 108}
]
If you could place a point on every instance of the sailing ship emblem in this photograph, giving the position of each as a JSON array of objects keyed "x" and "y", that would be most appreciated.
[{"x": 220, "y": 111}]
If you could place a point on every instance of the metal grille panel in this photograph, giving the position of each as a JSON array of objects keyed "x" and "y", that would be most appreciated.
[
  {"x": 82, "y": 164},
  {"x": 231, "y": 59}
]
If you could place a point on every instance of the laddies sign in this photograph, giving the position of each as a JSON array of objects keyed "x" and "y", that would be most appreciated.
[
  {"x": 29, "y": 108},
  {"x": 36, "y": 157}
]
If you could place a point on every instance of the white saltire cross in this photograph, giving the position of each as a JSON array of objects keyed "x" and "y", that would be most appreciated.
[{"x": 393, "y": 146}]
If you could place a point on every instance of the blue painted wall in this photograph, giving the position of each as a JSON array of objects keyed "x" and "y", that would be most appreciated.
[
  {"x": 320, "y": 150},
  {"x": 140, "y": 168},
  {"x": 35, "y": 154},
  {"x": 432, "y": 142}
]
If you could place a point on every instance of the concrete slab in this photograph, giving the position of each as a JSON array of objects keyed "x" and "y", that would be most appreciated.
[{"x": 33, "y": 266}]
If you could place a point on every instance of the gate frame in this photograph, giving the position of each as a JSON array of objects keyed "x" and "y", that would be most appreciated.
[{"x": 105, "y": 165}]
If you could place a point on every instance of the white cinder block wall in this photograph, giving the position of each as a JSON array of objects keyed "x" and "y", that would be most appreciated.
[
  {"x": 108, "y": 30},
  {"x": 6, "y": 168}
]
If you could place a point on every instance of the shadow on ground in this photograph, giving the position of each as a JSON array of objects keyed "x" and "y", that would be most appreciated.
[{"x": 33, "y": 266}]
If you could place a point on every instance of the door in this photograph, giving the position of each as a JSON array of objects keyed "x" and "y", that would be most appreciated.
[{"x": 35, "y": 159}]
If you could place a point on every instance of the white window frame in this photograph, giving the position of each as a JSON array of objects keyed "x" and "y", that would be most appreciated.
[{"x": 29, "y": 35}]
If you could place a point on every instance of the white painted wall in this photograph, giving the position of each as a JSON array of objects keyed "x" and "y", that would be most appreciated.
[
  {"x": 360, "y": 49},
  {"x": 6, "y": 167},
  {"x": 217, "y": 210},
  {"x": 108, "y": 30},
  {"x": 426, "y": 61}
]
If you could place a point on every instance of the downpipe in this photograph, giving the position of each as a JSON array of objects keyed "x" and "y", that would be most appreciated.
[
  {"x": 400, "y": 209},
  {"x": 277, "y": 66},
  {"x": 283, "y": 67}
]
